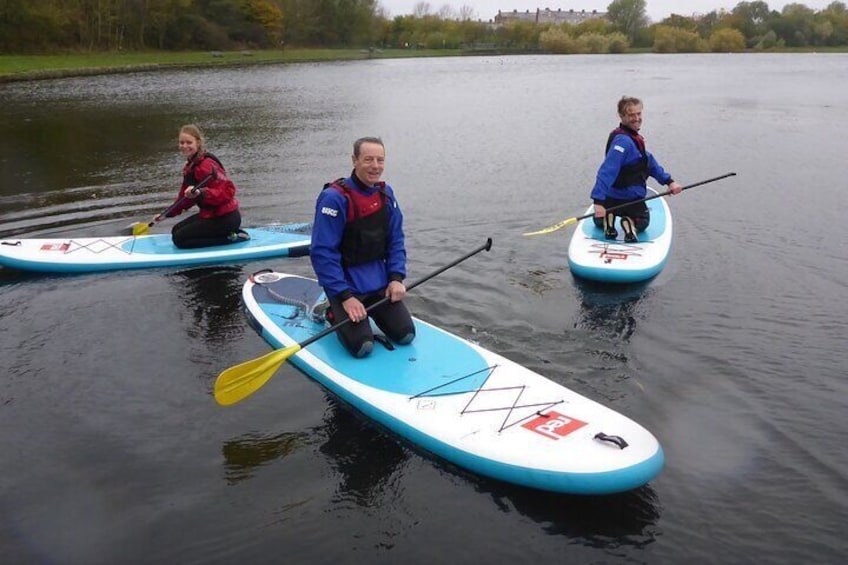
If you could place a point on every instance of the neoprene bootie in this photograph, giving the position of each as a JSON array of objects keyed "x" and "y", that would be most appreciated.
[{"x": 609, "y": 226}]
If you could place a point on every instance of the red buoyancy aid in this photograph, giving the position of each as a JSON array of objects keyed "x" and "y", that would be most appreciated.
[{"x": 220, "y": 186}]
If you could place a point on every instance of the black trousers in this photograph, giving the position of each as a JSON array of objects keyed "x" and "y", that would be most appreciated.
[
  {"x": 195, "y": 231},
  {"x": 393, "y": 319},
  {"x": 637, "y": 210}
]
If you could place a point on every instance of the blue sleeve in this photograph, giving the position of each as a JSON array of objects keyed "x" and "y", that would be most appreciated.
[
  {"x": 611, "y": 167},
  {"x": 396, "y": 257},
  {"x": 656, "y": 171},
  {"x": 325, "y": 249}
]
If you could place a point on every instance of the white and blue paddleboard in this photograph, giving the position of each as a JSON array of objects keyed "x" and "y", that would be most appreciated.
[
  {"x": 465, "y": 404},
  {"x": 88, "y": 254},
  {"x": 593, "y": 257}
]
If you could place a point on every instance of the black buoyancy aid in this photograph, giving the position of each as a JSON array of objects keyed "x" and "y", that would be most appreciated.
[
  {"x": 635, "y": 173},
  {"x": 366, "y": 233}
]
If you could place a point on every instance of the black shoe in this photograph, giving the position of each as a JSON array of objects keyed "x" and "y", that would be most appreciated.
[
  {"x": 629, "y": 230},
  {"x": 609, "y": 227},
  {"x": 238, "y": 236}
]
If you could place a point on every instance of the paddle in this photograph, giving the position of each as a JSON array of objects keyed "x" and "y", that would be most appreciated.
[
  {"x": 141, "y": 228},
  {"x": 239, "y": 382},
  {"x": 568, "y": 221}
]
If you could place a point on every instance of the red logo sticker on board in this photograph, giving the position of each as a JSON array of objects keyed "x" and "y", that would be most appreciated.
[
  {"x": 554, "y": 425},
  {"x": 610, "y": 255},
  {"x": 55, "y": 246}
]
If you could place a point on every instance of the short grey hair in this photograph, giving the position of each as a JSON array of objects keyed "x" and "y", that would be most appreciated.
[{"x": 358, "y": 144}]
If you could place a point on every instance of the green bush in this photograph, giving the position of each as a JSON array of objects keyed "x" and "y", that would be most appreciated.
[
  {"x": 618, "y": 42},
  {"x": 768, "y": 41},
  {"x": 727, "y": 40},
  {"x": 675, "y": 40},
  {"x": 593, "y": 43},
  {"x": 555, "y": 40}
]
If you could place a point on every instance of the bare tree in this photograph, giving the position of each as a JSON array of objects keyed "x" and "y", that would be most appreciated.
[{"x": 421, "y": 9}]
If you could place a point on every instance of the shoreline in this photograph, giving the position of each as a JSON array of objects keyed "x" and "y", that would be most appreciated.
[
  {"x": 25, "y": 68},
  {"x": 29, "y": 68}
]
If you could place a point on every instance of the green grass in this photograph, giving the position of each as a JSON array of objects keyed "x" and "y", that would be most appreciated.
[{"x": 24, "y": 67}]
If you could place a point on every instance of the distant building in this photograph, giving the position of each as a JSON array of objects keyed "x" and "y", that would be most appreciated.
[{"x": 548, "y": 16}]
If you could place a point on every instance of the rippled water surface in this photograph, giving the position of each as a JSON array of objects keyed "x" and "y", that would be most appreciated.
[{"x": 114, "y": 450}]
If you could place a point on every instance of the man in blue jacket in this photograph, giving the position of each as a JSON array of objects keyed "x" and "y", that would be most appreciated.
[
  {"x": 621, "y": 177},
  {"x": 358, "y": 251}
]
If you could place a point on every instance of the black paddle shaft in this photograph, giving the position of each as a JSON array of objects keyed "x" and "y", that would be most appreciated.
[
  {"x": 666, "y": 193},
  {"x": 485, "y": 247},
  {"x": 173, "y": 206}
]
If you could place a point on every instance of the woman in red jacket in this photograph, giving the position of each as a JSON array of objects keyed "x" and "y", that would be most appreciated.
[{"x": 205, "y": 183}]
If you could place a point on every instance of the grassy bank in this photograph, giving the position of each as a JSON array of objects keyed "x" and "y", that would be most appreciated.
[{"x": 33, "y": 67}]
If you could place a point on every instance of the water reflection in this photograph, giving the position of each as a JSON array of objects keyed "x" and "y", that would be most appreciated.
[
  {"x": 212, "y": 295},
  {"x": 620, "y": 519},
  {"x": 243, "y": 455},
  {"x": 10, "y": 277},
  {"x": 46, "y": 149},
  {"x": 609, "y": 310},
  {"x": 365, "y": 457}
]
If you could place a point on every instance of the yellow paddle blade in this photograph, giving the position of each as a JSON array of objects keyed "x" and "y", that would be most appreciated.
[
  {"x": 553, "y": 228},
  {"x": 239, "y": 382},
  {"x": 140, "y": 228}
]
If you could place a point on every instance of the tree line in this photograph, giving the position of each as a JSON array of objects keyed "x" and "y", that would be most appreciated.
[{"x": 51, "y": 26}]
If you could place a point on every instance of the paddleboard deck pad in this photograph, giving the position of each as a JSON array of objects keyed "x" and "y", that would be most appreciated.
[
  {"x": 89, "y": 254},
  {"x": 461, "y": 402},
  {"x": 592, "y": 257}
]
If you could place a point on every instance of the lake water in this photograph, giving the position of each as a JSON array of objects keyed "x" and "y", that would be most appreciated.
[{"x": 114, "y": 451}]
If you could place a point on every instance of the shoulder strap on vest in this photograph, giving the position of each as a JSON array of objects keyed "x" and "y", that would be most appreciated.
[
  {"x": 339, "y": 184},
  {"x": 637, "y": 139},
  {"x": 214, "y": 158},
  {"x": 195, "y": 162}
]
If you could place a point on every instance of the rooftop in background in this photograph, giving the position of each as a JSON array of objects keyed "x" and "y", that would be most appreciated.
[{"x": 548, "y": 16}]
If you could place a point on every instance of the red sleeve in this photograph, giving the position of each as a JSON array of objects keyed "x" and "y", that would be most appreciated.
[{"x": 182, "y": 204}]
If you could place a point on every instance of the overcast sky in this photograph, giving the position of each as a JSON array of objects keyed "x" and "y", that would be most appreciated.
[{"x": 657, "y": 9}]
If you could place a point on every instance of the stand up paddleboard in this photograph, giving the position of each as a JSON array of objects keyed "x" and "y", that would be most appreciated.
[
  {"x": 593, "y": 257},
  {"x": 89, "y": 254},
  {"x": 465, "y": 404}
]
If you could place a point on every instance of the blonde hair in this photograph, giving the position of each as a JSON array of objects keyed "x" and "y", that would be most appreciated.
[{"x": 194, "y": 131}]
